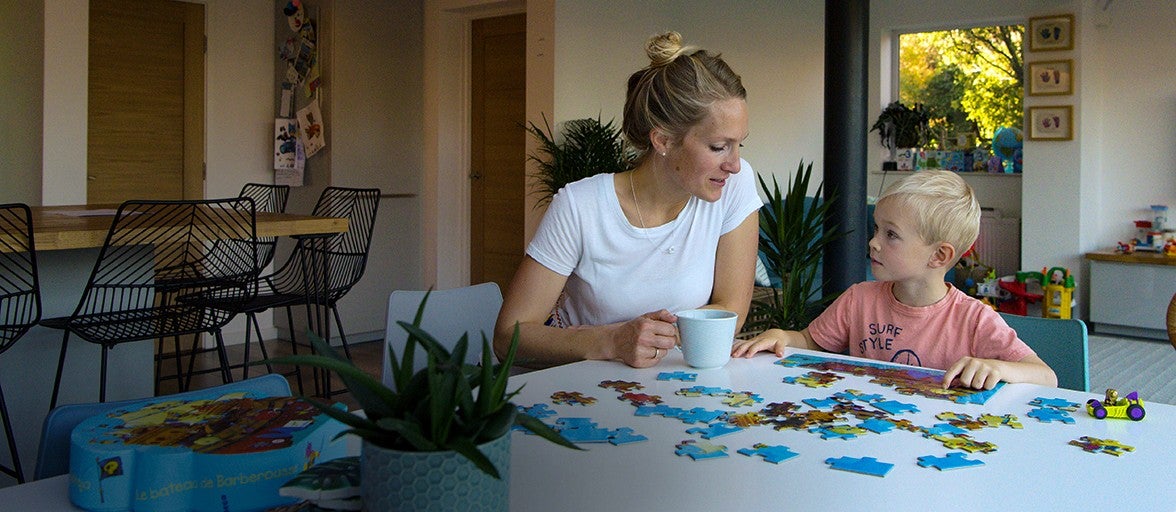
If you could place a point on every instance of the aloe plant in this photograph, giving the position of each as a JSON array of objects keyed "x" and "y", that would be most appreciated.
[
  {"x": 793, "y": 239},
  {"x": 446, "y": 406}
]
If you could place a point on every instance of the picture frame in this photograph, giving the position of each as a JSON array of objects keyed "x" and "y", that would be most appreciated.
[
  {"x": 1051, "y": 33},
  {"x": 1055, "y": 122},
  {"x": 1051, "y": 78}
]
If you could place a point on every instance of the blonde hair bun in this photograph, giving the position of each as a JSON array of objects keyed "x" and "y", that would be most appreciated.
[{"x": 664, "y": 48}]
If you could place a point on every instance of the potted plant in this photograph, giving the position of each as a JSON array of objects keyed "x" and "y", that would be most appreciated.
[
  {"x": 439, "y": 438},
  {"x": 588, "y": 148},
  {"x": 901, "y": 127},
  {"x": 792, "y": 239}
]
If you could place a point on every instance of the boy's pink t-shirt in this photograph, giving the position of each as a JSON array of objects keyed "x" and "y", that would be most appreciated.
[{"x": 868, "y": 321}]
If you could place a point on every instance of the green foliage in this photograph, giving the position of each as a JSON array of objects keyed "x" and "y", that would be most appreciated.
[
  {"x": 905, "y": 127},
  {"x": 971, "y": 80},
  {"x": 448, "y": 405},
  {"x": 793, "y": 238},
  {"x": 588, "y": 148}
]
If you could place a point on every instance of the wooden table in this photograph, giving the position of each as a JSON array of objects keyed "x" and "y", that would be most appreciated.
[
  {"x": 67, "y": 243},
  {"x": 81, "y": 227}
]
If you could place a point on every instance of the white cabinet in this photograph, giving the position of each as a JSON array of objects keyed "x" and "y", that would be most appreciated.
[{"x": 1129, "y": 293}]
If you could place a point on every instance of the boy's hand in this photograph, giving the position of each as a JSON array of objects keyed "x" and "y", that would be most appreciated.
[
  {"x": 974, "y": 373},
  {"x": 770, "y": 340}
]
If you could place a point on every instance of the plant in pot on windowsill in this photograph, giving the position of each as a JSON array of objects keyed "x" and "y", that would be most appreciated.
[
  {"x": 439, "y": 439},
  {"x": 902, "y": 130},
  {"x": 792, "y": 239}
]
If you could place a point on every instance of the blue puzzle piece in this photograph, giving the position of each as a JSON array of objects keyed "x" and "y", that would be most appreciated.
[
  {"x": 953, "y": 460},
  {"x": 824, "y": 403},
  {"x": 895, "y": 407},
  {"x": 587, "y": 434},
  {"x": 774, "y": 454},
  {"x": 1050, "y": 415},
  {"x": 625, "y": 435},
  {"x": 836, "y": 431},
  {"x": 1056, "y": 403},
  {"x": 700, "y": 415},
  {"x": 700, "y": 450},
  {"x": 655, "y": 410},
  {"x": 575, "y": 422},
  {"x": 539, "y": 410},
  {"x": 864, "y": 465},
  {"x": 855, "y": 395},
  {"x": 714, "y": 430},
  {"x": 877, "y": 426},
  {"x": 678, "y": 375},
  {"x": 943, "y": 429}
]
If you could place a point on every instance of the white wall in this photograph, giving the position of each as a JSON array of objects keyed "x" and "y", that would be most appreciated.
[
  {"x": 67, "y": 32},
  {"x": 776, "y": 47}
]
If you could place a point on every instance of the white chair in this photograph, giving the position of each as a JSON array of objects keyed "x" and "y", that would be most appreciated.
[{"x": 448, "y": 315}]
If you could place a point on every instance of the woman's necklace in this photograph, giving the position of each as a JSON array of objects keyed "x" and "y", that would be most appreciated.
[{"x": 637, "y": 207}]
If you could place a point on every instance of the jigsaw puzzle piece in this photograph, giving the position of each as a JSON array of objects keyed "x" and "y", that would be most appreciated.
[
  {"x": 838, "y": 431},
  {"x": 714, "y": 430},
  {"x": 625, "y": 435},
  {"x": 863, "y": 465},
  {"x": 953, "y": 460},
  {"x": 1056, "y": 403},
  {"x": 774, "y": 454},
  {"x": 621, "y": 385},
  {"x": 699, "y": 415},
  {"x": 824, "y": 403},
  {"x": 677, "y": 375},
  {"x": 742, "y": 399},
  {"x": 877, "y": 426},
  {"x": 1050, "y": 415},
  {"x": 700, "y": 450},
  {"x": 940, "y": 429},
  {"x": 895, "y": 407},
  {"x": 538, "y": 411}
]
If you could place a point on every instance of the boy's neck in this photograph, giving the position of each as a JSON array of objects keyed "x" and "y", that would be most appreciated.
[{"x": 920, "y": 293}]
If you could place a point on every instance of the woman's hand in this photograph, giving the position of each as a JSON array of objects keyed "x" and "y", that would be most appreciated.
[{"x": 643, "y": 341}]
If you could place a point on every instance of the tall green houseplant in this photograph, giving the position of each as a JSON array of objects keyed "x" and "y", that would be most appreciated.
[
  {"x": 587, "y": 148},
  {"x": 792, "y": 239}
]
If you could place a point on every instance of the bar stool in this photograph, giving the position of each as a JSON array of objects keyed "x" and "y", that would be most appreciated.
[
  {"x": 155, "y": 255},
  {"x": 20, "y": 299}
]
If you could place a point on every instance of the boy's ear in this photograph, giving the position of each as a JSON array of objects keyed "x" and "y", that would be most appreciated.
[{"x": 944, "y": 256}]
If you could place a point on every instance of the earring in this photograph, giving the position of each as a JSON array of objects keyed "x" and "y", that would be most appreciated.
[{"x": 663, "y": 153}]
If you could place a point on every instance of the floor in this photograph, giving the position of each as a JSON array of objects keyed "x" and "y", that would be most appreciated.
[{"x": 1127, "y": 364}]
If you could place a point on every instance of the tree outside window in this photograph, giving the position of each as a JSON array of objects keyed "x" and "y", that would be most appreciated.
[{"x": 970, "y": 81}]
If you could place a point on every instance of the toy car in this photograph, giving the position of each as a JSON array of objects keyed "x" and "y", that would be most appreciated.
[{"x": 1115, "y": 407}]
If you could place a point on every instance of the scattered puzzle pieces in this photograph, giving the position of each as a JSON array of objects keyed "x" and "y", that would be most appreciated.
[
  {"x": 895, "y": 407},
  {"x": 864, "y": 465},
  {"x": 714, "y": 430},
  {"x": 538, "y": 411},
  {"x": 700, "y": 450},
  {"x": 1107, "y": 446},
  {"x": 742, "y": 399},
  {"x": 838, "y": 431},
  {"x": 696, "y": 391},
  {"x": 877, "y": 426},
  {"x": 1056, "y": 403},
  {"x": 625, "y": 435},
  {"x": 953, "y": 460},
  {"x": 746, "y": 419},
  {"x": 825, "y": 403},
  {"x": 571, "y": 398},
  {"x": 995, "y": 421},
  {"x": 622, "y": 386},
  {"x": 965, "y": 442},
  {"x": 1050, "y": 415},
  {"x": 855, "y": 395},
  {"x": 774, "y": 454},
  {"x": 640, "y": 399},
  {"x": 678, "y": 375}
]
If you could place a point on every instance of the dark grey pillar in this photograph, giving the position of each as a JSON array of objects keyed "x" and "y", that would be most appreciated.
[{"x": 847, "y": 27}]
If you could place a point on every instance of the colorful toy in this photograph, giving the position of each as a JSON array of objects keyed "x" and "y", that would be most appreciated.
[
  {"x": 1019, "y": 296},
  {"x": 1114, "y": 407},
  {"x": 1058, "y": 293}
]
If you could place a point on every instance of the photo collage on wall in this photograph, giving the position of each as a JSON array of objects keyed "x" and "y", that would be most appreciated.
[{"x": 300, "y": 134}]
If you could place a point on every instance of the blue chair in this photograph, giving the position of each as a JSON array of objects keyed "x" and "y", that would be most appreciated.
[
  {"x": 53, "y": 453},
  {"x": 448, "y": 315},
  {"x": 1061, "y": 343}
]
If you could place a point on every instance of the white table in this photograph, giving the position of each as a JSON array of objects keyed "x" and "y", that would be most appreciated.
[{"x": 1033, "y": 468}]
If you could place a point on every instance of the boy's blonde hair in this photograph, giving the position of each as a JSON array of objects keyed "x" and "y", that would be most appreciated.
[{"x": 944, "y": 205}]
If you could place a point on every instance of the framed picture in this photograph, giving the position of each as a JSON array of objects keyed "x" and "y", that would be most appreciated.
[
  {"x": 1051, "y": 77},
  {"x": 1050, "y": 33},
  {"x": 1051, "y": 123}
]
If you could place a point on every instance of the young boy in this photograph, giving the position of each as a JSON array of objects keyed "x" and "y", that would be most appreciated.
[{"x": 923, "y": 224}]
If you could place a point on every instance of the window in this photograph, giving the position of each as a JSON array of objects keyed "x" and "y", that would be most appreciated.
[{"x": 970, "y": 81}]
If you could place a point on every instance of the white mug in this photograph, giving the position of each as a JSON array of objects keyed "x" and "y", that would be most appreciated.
[{"x": 706, "y": 336}]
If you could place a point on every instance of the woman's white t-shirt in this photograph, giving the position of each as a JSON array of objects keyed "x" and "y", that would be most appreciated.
[{"x": 617, "y": 271}]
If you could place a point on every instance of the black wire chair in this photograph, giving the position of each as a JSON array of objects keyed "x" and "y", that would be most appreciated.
[
  {"x": 156, "y": 254},
  {"x": 266, "y": 198},
  {"x": 321, "y": 269},
  {"x": 20, "y": 299}
]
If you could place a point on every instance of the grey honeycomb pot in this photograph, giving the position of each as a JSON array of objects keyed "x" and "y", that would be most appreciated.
[{"x": 433, "y": 481}]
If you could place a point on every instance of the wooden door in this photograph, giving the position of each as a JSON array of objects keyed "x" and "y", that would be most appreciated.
[
  {"x": 497, "y": 153},
  {"x": 146, "y": 101}
]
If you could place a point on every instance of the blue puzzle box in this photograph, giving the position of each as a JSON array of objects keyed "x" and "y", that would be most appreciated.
[{"x": 216, "y": 452}]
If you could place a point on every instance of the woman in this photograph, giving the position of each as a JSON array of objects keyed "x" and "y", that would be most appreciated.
[{"x": 677, "y": 232}]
